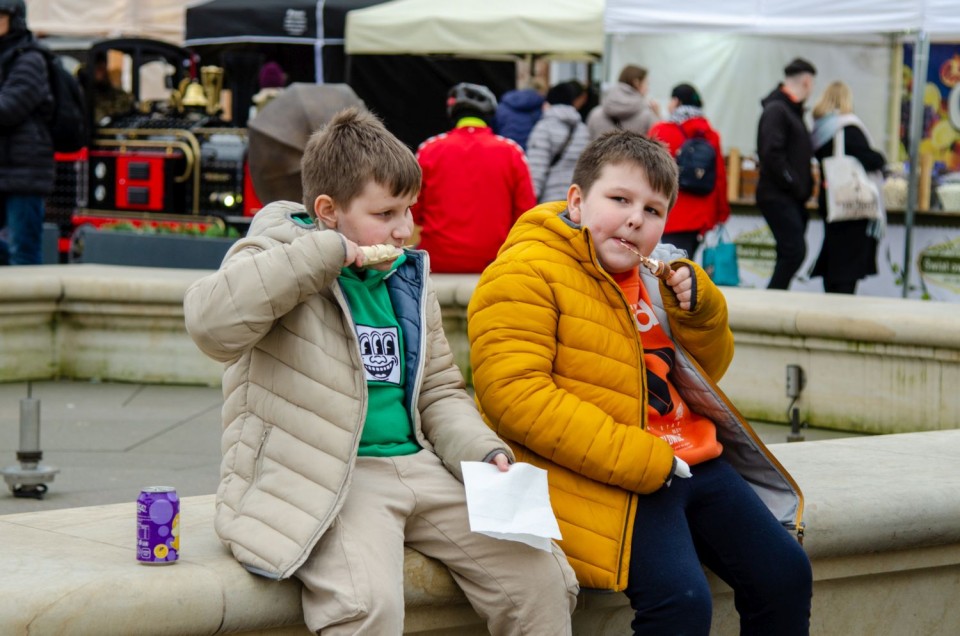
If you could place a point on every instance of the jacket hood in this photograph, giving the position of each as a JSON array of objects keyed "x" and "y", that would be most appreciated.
[
  {"x": 525, "y": 99},
  {"x": 549, "y": 223},
  {"x": 15, "y": 40},
  {"x": 563, "y": 112},
  {"x": 282, "y": 221},
  {"x": 623, "y": 101},
  {"x": 777, "y": 95},
  {"x": 695, "y": 125}
]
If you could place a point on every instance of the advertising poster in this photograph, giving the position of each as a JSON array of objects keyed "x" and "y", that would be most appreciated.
[{"x": 941, "y": 107}]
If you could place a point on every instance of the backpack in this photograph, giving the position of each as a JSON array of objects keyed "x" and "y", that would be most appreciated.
[
  {"x": 697, "y": 161},
  {"x": 68, "y": 122}
]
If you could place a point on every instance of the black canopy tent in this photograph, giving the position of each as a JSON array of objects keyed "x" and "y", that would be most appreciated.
[
  {"x": 227, "y": 24},
  {"x": 306, "y": 38},
  {"x": 409, "y": 92}
]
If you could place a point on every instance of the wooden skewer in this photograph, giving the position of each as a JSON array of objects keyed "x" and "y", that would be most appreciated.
[{"x": 660, "y": 269}]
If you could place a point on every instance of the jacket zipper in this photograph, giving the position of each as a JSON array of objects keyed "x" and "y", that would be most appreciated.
[
  {"x": 799, "y": 526},
  {"x": 421, "y": 359},
  {"x": 258, "y": 460},
  {"x": 341, "y": 300},
  {"x": 641, "y": 416}
]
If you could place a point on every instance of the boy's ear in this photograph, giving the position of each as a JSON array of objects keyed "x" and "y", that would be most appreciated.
[
  {"x": 574, "y": 200},
  {"x": 325, "y": 211}
]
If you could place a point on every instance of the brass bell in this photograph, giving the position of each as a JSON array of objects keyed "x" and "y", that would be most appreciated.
[{"x": 194, "y": 96}]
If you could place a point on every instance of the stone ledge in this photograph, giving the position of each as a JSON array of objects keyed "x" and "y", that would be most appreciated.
[
  {"x": 873, "y": 365},
  {"x": 883, "y": 532}
]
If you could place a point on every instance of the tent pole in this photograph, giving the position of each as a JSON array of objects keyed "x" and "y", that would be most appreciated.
[
  {"x": 605, "y": 61},
  {"x": 921, "y": 54}
]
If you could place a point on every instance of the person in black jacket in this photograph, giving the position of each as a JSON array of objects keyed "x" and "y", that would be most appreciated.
[
  {"x": 26, "y": 149},
  {"x": 785, "y": 153},
  {"x": 849, "y": 250}
]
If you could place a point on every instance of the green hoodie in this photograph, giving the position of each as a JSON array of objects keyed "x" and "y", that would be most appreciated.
[{"x": 387, "y": 431}]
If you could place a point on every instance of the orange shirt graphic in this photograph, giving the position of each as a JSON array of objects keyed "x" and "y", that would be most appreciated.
[{"x": 692, "y": 436}]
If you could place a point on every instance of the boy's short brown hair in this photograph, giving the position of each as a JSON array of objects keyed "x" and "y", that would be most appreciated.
[
  {"x": 350, "y": 151},
  {"x": 626, "y": 146}
]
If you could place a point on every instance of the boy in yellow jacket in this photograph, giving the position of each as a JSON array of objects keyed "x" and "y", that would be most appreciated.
[{"x": 606, "y": 376}]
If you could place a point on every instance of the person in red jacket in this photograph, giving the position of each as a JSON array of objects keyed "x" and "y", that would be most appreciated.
[
  {"x": 475, "y": 185},
  {"x": 694, "y": 214}
]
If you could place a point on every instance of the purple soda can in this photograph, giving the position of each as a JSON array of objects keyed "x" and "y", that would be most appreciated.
[{"x": 158, "y": 525}]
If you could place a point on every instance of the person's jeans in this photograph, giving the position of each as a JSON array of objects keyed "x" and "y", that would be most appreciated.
[
  {"x": 788, "y": 223},
  {"x": 716, "y": 519},
  {"x": 22, "y": 237}
]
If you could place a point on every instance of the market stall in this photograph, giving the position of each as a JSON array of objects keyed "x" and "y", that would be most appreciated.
[
  {"x": 316, "y": 27},
  {"x": 856, "y": 41}
]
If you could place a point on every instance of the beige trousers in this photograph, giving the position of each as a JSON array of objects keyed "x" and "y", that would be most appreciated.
[{"x": 353, "y": 580}]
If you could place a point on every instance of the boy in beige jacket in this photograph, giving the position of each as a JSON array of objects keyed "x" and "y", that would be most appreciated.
[{"x": 345, "y": 418}]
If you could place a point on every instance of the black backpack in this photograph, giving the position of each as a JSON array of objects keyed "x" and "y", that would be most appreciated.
[
  {"x": 697, "y": 161},
  {"x": 68, "y": 122}
]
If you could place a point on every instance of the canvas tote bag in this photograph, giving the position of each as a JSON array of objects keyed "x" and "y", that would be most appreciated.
[
  {"x": 720, "y": 258},
  {"x": 851, "y": 194}
]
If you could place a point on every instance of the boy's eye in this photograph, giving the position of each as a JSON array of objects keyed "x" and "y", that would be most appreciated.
[
  {"x": 619, "y": 199},
  {"x": 654, "y": 211}
]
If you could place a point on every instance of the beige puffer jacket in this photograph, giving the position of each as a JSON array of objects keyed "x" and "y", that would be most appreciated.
[{"x": 294, "y": 391}]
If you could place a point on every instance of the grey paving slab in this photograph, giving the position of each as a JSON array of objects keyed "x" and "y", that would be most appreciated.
[{"x": 111, "y": 439}]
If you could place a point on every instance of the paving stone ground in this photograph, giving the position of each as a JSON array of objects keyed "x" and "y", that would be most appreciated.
[{"x": 111, "y": 439}]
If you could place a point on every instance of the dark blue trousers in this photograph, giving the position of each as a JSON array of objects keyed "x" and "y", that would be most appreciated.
[
  {"x": 22, "y": 225},
  {"x": 714, "y": 518}
]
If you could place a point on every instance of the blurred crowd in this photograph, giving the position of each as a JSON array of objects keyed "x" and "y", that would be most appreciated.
[{"x": 503, "y": 156}]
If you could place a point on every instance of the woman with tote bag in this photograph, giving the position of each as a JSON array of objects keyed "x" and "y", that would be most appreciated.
[{"x": 849, "y": 251}]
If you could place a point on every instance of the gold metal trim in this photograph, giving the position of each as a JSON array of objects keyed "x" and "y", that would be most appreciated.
[
  {"x": 160, "y": 217},
  {"x": 186, "y": 135},
  {"x": 150, "y": 143}
]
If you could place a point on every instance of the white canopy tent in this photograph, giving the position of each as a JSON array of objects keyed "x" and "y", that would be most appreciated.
[
  {"x": 804, "y": 17},
  {"x": 569, "y": 28},
  {"x": 159, "y": 19},
  {"x": 839, "y": 22}
]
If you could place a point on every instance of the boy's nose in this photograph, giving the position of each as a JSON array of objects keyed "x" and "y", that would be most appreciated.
[
  {"x": 635, "y": 218},
  {"x": 404, "y": 230}
]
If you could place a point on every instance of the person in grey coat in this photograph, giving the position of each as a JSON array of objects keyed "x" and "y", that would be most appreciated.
[
  {"x": 556, "y": 141},
  {"x": 26, "y": 148},
  {"x": 625, "y": 105}
]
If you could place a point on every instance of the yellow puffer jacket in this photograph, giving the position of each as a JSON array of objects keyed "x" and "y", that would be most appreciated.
[{"x": 558, "y": 371}]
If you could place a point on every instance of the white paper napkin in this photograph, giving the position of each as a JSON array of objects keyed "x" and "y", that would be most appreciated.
[{"x": 514, "y": 505}]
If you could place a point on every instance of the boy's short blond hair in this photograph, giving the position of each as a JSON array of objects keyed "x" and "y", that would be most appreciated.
[
  {"x": 350, "y": 151},
  {"x": 626, "y": 146}
]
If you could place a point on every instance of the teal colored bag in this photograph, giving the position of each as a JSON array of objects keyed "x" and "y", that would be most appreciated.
[{"x": 720, "y": 258}]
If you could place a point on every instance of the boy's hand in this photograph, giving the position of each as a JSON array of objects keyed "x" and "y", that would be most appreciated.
[
  {"x": 501, "y": 461},
  {"x": 354, "y": 255},
  {"x": 681, "y": 282}
]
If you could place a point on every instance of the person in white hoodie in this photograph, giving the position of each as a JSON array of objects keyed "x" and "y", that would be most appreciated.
[
  {"x": 625, "y": 105},
  {"x": 556, "y": 141}
]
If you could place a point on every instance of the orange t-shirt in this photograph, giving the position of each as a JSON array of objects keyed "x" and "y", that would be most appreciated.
[{"x": 692, "y": 436}]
